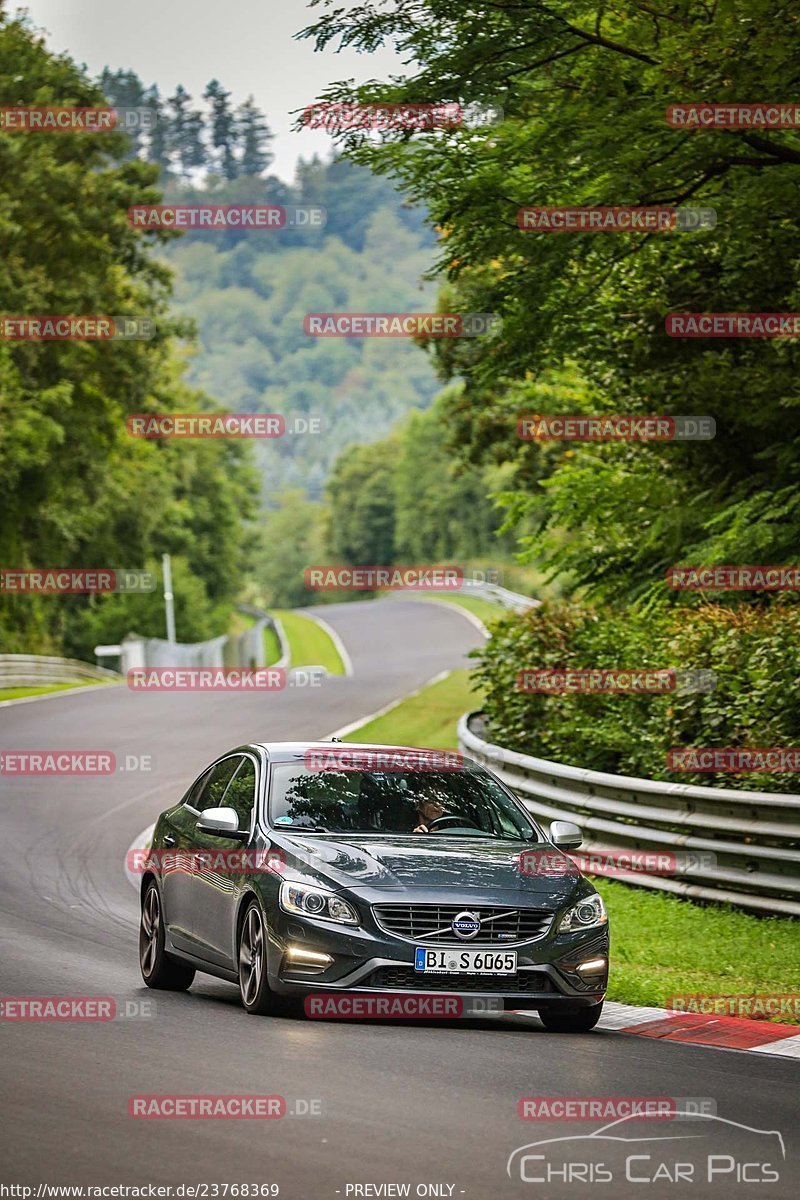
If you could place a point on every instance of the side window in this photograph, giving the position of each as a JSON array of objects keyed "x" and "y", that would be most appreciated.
[
  {"x": 194, "y": 791},
  {"x": 215, "y": 783},
  {"x": 241, "y": 792}
]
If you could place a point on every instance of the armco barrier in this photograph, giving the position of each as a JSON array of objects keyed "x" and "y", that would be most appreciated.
[
  {"x": 244, "y": 649},
  {"x": 37, "y": 670},
  {"x": 491, "y": 591},
  {"x": 744, "y": 846}
]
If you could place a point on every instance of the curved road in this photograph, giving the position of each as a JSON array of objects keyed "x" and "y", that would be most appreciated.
[{"x": 418, "y": 1104}]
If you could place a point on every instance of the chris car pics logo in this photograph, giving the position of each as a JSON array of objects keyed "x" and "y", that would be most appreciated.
[{"x": 694, "y": 1152}]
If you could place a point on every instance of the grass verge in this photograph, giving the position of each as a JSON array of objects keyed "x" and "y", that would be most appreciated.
[
  {"x": 309, "y": 644},
  {"x": 425, "y": 719},
  {"x": 20, "y": 693},
  {"x": 272, "y": 647},
  {"x": 661, "y": 946},
  {"x": 484, "y": 610}
]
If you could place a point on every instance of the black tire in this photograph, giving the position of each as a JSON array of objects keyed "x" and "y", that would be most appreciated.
[
  {"x": 159, "y": 969},
  {"x": 568, "y": 1018},
  {"x": 254, "y": 986}
]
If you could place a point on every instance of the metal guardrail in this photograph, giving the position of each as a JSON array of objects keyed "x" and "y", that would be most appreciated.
[
  {"x": 263, "y": 620},
  {"x": 740, "y": 848},
  {"x": 488, "y": 591},
  {"x": 38, "y": 670},
  {"x": 245, "y": 649}
]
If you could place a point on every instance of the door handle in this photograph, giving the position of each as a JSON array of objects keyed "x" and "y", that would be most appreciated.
[{"x": 169, "y": 841}]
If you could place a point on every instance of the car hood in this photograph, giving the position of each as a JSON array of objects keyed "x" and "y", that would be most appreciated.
[{"x": 424, "y": 862}]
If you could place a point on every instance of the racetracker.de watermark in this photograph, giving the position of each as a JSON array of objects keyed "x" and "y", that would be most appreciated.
[
  {"x": 222, "y": 679},
  {"x": 62, "y": 118},
  {"x": 400, "y": 325},
  {"x": 617, "y": 428},
  {"x": 420, "y": 577},
  {"x": 390, "y": 1005},
  {"x": 340, "y": 758},
  {"x": 220, "y": 217},
  {"x": 734, "y": 116},
  {"x": 615, "y": 863},
  {"x": 219, "y": 425},
  {"x": 567, "y": 681},
  {"x": 94, "y": 327},
  {"x": 243, "y": 860},
  {"x": 351, "y": 116},
  {"x": 757, "y": 1007},
  {"x": 75, "y": 1008},
  {"x": 206, "y": 1107},
  {"x": 72, "y": 581},
  {"x": 620, "y": 219},
  {"x": 71, "y": 762},
  {"x": 732, "y": 325},
  {"x": 611, "y": 1108},
  {"x": 734, "y": 578},
  {"x": 729, "y": 760}
]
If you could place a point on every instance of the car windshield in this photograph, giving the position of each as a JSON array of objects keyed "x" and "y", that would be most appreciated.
[{"x": 462, "y": 803}]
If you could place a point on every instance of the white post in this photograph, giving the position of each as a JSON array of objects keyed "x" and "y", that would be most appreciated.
[{"x": 168, "y": 597}]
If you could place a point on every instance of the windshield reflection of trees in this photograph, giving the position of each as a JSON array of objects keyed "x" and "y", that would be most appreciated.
[{"x": 371, "y": 802}]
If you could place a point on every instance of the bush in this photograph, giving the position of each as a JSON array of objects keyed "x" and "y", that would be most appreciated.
[{"x": 753, "y": 652}]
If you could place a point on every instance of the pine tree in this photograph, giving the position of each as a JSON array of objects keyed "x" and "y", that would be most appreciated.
[
  {"x": 255, "y": 136},
  {"x": 124, "y": 89},
  {"x": 185, "y": 136},
  {"x": 158, "y": 143},
  {"x": 224, "y": 134}
]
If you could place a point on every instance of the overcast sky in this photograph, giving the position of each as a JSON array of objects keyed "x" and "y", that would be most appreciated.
[{"x": 247, "y": 44}]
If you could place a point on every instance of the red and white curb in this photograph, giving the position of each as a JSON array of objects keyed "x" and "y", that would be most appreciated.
[{"x": 729, "y": 1033}]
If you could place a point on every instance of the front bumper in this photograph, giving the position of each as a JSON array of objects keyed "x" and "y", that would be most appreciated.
[{"x": 372, "y": 960}]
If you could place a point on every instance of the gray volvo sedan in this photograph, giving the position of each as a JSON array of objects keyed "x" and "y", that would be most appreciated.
[{"x": 299, "y": 868}]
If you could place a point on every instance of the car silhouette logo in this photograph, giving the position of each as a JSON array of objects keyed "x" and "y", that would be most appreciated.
[{"x": 466, "y": 925}]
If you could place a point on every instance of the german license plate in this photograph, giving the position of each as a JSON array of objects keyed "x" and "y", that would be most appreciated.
[{"x": 465, "y": 962}]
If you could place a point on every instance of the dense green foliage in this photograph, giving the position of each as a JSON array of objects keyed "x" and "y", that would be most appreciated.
[
  {"x": 752, "y": 652},
  {"x": 584, "y": 90},
  {"x": 400, "y": 500},
  {"x": 248, "y": 300},
  {"x": 247, "y": 292},
  {"x": 75, "y": 489}
]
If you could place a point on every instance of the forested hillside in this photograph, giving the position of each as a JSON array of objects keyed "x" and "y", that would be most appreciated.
[{"x": 247, "y": 292}]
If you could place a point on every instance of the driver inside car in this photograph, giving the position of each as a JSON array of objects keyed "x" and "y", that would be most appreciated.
[{"x": 429, "y": 810}]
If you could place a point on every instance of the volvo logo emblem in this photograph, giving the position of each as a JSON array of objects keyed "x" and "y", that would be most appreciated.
[{"x": 466, "y": 925}]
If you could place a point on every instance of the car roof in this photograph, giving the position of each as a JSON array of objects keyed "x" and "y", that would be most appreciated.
[{"x": 290, "y": 751}]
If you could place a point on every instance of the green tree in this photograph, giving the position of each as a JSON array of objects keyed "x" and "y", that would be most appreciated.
[
  {"x": 76, "y": 490},
  {"x": 362, "y": 509},
  {"x": 185, "y": 137},
  {"x": 291, "y": 539},
  {"x": 223, "y": 128},
  {"x": 584, "y": 92},
  {"x": 255, "y": 137}
]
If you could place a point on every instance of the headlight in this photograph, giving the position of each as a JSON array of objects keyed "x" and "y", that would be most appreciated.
[
  {"x": 315, "y": 902},
  {"x": 586, "y": 915}
]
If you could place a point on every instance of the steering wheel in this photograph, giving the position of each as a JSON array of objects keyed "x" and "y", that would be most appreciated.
[{"x": 449, "y": 818}]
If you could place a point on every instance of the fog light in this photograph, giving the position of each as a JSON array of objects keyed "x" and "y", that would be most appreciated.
[
  {"x": 308, "y": 958},
  {"x": 591, "y": 966}
]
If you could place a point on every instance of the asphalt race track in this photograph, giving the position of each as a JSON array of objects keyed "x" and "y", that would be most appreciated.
[{"x": 420, "y": 1103}]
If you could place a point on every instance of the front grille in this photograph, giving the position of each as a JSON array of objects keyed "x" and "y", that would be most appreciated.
[
  {"x": 434, "y": 923},
  {"x": 421, "y": 981}
]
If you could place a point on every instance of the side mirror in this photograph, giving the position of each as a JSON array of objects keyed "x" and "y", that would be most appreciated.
[
  {"x": 566, "y": 835},
  {"x": 222, "y": 822}
]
